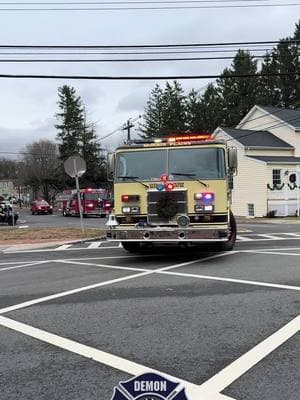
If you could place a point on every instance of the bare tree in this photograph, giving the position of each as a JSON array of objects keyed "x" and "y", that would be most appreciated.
[{"x": 41, "y": 168}]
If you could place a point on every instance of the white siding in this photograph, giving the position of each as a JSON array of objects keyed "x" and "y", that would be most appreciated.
[
  {"x": 250, "y": 185},
  {"x": 260, "y": 120},
  {"x": 270, "y": 152}
]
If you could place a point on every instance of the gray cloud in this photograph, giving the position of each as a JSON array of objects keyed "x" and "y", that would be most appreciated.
[
  {"x": 135, "y": 101},
  {"x": 28, "y": 106}
]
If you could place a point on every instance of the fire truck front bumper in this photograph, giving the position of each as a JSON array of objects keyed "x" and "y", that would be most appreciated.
[{"x": 217, "y": 233}]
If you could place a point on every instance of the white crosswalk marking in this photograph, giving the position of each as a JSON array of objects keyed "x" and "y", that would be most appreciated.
[
  {"x": 251, "y": 237},
  {"x": 94, "y": 245},
  {"x": 64, "y": 247},
  {"x": 243, "y": 239},
  {"x": 271, "y": 237}
]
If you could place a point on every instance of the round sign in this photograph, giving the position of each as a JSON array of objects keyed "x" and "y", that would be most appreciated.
[{"x": 75, "y": 166}]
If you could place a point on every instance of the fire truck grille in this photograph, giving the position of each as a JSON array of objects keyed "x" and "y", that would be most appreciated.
[{"x": 177, "y": 196}]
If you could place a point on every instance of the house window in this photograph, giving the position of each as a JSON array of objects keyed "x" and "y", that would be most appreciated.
[
  {"x": 276, "y": 177},
  {"x": 251, "y": 210}
]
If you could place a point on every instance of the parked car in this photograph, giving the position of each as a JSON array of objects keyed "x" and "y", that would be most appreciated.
[{"x": 41, "y": 207}]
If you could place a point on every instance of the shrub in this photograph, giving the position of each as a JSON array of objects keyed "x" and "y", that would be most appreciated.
[{"x": 271, "y": 213}]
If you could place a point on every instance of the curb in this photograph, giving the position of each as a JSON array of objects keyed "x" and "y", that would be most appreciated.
[{"x": 252, "y": 221}]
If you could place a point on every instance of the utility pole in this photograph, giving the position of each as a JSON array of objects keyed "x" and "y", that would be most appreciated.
[{"x": 127, "y": 128}]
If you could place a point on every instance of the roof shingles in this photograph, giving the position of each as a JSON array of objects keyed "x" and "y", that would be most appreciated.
[
  {"x": 251, "y": 138},
  {"x": 292, "y": 117}
]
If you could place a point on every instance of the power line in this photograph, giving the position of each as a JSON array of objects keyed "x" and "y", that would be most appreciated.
[
  {"x": 132, "y": 78},
  {"x": 152, "y": 8},
  {"x": 118, "y": 60},
  {"x": 144, "y": 46},
  {"x": 33, "y": 53},
  {"x": 127, "y": 2}
]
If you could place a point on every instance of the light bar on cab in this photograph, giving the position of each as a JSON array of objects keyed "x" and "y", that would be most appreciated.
[{"x": 190, "y": 138}]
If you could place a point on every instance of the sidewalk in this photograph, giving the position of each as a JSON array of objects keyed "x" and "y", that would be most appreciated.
[
  {"x": 42, "y": 245},
  {"x": 275, "y": 220}
]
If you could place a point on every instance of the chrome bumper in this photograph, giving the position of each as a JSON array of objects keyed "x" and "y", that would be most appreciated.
[{"x": 167, "y": 234}]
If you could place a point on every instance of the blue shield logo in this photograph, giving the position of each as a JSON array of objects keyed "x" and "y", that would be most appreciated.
[{"x": 149, "y": 387}]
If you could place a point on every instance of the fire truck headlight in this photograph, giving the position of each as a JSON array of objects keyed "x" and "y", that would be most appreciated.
[
  {"x": 209, "y": 208},
  {"x": 126, "y": 210}
]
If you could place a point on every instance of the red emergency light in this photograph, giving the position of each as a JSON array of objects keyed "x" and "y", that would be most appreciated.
[{"x": 170, "y": 186}]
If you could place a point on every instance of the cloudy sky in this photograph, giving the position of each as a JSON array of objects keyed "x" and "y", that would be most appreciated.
[{"x": 27, "y": 107}]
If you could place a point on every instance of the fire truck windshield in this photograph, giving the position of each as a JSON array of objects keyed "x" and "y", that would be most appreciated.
[
  {"x": 184, "y": 163},
  {"x": 93, "y": 196}
]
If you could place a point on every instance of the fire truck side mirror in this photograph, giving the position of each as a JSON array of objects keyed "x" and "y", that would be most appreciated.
[
  {"x": 232, "y": 159},
  {"x": 110, "y": 166}
]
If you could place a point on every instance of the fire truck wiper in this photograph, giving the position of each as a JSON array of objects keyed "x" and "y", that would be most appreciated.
[
  {"x": 191, "y": 175},
  {"x": 133, "y": 178}
]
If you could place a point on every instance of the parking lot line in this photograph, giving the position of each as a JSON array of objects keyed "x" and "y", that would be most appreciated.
[
  {"x": 102, "y": 265},
  {"x": 32, "y": 264},
  {"x": 193, "y": 391},
  {"x": 273, "y": 252},
  {"x": 100, "y": 284},
  {"x": 270, "y": 249},
  {"x": 232, "y": 280},
  {"x": 236, "y": 369}
]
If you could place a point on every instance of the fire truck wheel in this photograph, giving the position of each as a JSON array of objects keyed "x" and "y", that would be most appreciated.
[
  {"x": 227, "y": 246},
  {"x": 131, "y": 247}
]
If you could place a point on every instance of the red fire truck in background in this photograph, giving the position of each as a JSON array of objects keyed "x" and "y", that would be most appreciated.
[{"x": 95, "y": 202}]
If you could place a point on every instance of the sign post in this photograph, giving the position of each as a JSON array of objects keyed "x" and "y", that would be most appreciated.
[
  {"x": 297, "y": 189},
  {"x": 75, "y": 167}
]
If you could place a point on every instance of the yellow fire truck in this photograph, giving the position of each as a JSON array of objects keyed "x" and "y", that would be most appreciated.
[{"x": 173, "y": 190}]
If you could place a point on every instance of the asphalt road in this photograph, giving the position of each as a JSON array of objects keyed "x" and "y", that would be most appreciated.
[
  {"x": 55, "y": 220},
  {"x": 74, "y": 322}
]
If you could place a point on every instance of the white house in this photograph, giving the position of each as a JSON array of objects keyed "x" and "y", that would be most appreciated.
[
  {"x": 268, "y": 143},
  {"x": 6, "y": 188}
]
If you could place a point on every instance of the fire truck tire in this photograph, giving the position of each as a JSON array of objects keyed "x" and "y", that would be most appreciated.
[
  {"x": 131, "y": 247},
  {"x": 227, "y": 246}
]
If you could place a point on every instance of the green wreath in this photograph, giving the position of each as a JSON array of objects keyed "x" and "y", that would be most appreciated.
[
  {"x": 166, "y": 207},
  {"x": 275, "y": 187}
]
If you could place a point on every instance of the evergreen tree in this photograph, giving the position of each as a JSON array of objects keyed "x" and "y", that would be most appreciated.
[
  {"x": 297, "y": 52},
  {"x": 194, "y": 120},
  {"x": 211, "y": 109},
  {"x": 268, "y": 92},
  {"x": 90, "y": 150},
  {"x": 77, "y": 136},
  {"x": 71, "y": 121},
  {"x": 287, "y": 62},
  {"x": 153, "y": 115},
  {"x": 165, "y": 111},
  {"x": 238, "y": 93},
  {"x": 174, "y": 113}
]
